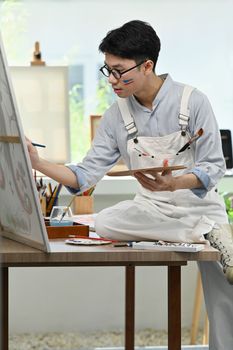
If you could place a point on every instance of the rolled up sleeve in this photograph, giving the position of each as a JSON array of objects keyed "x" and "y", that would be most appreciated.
[
  {"x": 210, "y": 164},
  {"x": 102, "y": 155}
]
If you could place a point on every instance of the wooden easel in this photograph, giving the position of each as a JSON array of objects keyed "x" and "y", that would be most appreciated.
[
  {"x": 10, "y": 139},
  {"x": 37, "y": 61},
  {"x": 196, "y": 315}
]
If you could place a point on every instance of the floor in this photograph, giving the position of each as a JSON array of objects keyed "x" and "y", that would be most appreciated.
[{"x": 147, "y": 339}]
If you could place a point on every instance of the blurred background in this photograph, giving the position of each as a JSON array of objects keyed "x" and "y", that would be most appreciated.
[{"x": 197, "y": 49}]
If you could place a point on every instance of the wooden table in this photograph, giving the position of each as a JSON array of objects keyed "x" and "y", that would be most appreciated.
[{"x": 14, "y": 254}]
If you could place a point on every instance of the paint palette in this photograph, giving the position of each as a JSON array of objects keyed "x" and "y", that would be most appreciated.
[{"x": 145, "y": 170}]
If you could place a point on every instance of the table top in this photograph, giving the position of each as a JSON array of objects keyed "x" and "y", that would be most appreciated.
[{"x": 13, "y": 253}]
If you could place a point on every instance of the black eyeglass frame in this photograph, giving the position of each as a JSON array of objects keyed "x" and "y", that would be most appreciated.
[{"x": 115, "y": 72}]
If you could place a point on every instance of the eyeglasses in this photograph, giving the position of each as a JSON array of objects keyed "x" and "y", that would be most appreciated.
[{"x": 115, "y": 72}]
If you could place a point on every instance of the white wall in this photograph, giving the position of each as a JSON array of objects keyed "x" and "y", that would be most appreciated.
[
  {"x": 88, "y": 299},
  {"x": 196, "y": 36}
]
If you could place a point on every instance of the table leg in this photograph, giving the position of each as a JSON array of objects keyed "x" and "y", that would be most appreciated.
[
  {"x": 174, "y": 307},
  {"x": 4, "y": 325},
  {"x": 129, "y": 307}
]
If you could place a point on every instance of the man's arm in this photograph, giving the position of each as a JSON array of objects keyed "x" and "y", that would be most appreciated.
[{"x": 59, "y": 173}]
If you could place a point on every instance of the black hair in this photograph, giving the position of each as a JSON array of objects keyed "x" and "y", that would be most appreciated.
[{"x": 135, "y": 40}]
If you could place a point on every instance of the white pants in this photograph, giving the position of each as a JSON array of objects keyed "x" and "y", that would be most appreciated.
[
  {"x": 219, "y": 304},
  {"x": 132, "y": 220},
  {"x": 126, "y": 222}
]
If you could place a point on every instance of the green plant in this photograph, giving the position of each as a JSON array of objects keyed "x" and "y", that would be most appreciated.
[
  {"x": 228, "y": 199},
  {"x": 13, "y": 24},
  {"x": 79, "y": 126},
  {"x": 104, "y": 96}
]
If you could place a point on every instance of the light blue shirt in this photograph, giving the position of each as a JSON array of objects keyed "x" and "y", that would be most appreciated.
[{"x": 110, "y": 142}]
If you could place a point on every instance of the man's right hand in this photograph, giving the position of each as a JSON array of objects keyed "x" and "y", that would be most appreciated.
[
  {"x": 58, "y": 172},
  {"x": 34, "y": 156}
]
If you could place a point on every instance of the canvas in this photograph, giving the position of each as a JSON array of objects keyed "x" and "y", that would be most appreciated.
[{"x": 20, "y": 213}]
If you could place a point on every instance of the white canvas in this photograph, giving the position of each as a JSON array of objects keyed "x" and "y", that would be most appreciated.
[
  {"x": 42, "y": 99},
  {"x": 20, "y": 213}
]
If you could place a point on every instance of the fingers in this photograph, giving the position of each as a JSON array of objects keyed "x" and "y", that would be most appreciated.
[
  {"x": 166, "y": 172},
  {"x": 31, "y": 149},
  {"x": 28, "y": 141},
  {"x": 145, "y": 181},
  {"x": 156, "y": 175},
  {"x": 30, "y": 146},
  {"x": 158, "y": 183}
]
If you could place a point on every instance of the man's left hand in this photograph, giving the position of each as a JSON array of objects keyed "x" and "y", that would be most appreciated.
[{"x": 156, "y": 182}]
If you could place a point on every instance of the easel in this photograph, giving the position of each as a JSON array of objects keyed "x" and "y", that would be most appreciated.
[
  {"x": 10, "y": 139},
  {"x": 37, "y": 61},
  {"x": 196, "y": 315}
]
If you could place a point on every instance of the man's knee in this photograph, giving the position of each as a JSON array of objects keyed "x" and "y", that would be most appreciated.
[{"x": 101, "y": 223}]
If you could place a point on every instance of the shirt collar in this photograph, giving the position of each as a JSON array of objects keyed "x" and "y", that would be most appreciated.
[{"x": 167, "y": 83}]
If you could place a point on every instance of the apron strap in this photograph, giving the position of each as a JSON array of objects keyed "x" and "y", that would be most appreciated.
[
  {"x": 126, "y": 116},
  {"x": 183, "y": 116},
  {"x": 184, "y": 110}
]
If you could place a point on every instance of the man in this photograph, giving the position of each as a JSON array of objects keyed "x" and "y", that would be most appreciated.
[{"x": 153, "y": 118}]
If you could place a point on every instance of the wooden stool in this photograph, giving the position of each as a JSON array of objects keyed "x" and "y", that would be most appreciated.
[{"x": 196, "y": 315}]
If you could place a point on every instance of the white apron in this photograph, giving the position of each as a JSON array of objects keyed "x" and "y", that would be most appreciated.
[
  {"x": 171, "y": 216},
  {"x": 174, "y": 216}
]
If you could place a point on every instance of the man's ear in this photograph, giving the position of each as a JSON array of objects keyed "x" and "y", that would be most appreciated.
[{"x": 148, "y": 66}]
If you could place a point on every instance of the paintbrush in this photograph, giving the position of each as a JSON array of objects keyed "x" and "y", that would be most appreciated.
[
  {"x": 194, "y": 138},
  {"x": 66, "y": 209},
  {"x": 38, "y": 144}
]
